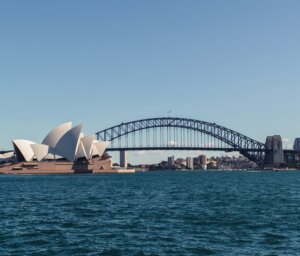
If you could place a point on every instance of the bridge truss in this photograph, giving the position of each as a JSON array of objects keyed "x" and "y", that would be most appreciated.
[{"x": 169, "y": 133}]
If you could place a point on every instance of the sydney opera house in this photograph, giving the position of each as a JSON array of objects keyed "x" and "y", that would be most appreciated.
[{"x": 64, "y": 150}]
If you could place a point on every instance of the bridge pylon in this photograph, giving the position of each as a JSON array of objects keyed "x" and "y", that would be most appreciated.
[{"x": 274, "y": 155}]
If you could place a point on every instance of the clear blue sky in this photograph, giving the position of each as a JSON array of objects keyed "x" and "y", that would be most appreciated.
[{"x": 235, "y": 63}]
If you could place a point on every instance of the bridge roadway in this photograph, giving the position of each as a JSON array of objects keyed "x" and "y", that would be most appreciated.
[{"x": 182, "y": 148}]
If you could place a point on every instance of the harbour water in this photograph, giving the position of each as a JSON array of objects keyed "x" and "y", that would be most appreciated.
[{"x": 151, "y": 213}]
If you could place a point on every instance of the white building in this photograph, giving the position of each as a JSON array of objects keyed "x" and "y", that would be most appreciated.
[{"x": 63, "y": 142}]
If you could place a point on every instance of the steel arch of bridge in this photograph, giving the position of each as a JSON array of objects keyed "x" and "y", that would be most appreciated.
[{"x": 248, "y": 147}]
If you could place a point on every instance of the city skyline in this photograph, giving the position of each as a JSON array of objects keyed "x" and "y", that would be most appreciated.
[{"x": 233, "y": 63}]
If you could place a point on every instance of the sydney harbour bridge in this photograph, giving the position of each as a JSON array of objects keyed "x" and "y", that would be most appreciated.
[{"x": 171, "y": 133}]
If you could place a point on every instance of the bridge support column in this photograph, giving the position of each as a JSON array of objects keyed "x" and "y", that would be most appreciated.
[{"x": 123, "y": 158}]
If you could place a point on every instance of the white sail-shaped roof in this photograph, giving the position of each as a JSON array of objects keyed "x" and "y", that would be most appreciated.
[
  {"x": 23, "y": 147},
  {"x": 101, "y": 146},
  {"x": 68, "y": 144},
  {"x": 8, "y": 154},
  {"x": 56, "y": 134},
  {"x": 40, "y": 151},
  {"x": 62, "y": 142},
  {"x": 87, "y": 143},
  {"x": 80, "y": 151},
  {"x": 6, "y": 157},
  {"x": 95, "y": 150}
]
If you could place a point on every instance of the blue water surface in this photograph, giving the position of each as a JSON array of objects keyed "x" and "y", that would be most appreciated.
[{"x": 154, "y": 213}]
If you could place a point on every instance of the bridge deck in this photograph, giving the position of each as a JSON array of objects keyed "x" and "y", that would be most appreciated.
[{"x": 183, "y": 148}]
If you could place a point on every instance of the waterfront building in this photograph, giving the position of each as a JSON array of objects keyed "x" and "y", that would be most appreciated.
[
  {"x": 190, "y": 163},
  {"x": 123, "y": 158},
  {"x": 63, "y": 142},
  {"x": 63, "y": 150},
  {"x": 213, "y": 164},
  {"x": 203, "y": 162},
  {"x": 171, "y": 161}
]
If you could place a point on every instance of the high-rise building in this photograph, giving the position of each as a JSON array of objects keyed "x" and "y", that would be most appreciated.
[
  {"x": 123, "y": 158},
  {"x": 203, "y": 161},
  {"x": 171, "y": 161},
  {"x": 190, "y": 163}
]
